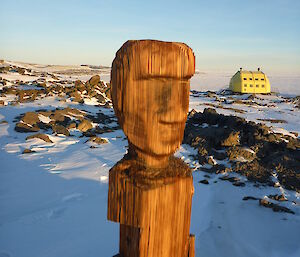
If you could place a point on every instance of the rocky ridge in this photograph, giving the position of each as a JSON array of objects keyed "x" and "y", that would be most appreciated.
[
  {"x": 49, "y": 84},
  {"x": 247, "y": 148}
]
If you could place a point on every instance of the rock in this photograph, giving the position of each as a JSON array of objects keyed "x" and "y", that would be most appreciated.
[
  {"x": 231, "y": 179},
  {"x": 31, "y": 118},
  {"x": 108, "y": 93},
  {"x": 45, "y": 113},
  {"x": 219, "y": 168},
  {"x": 89, "y": 133},
  {"x": 3, "y": 122},
  {"x": 85, "y": 125},
  {"x": 192, "y": 113},
  {"x": 28, "y": 151},
  {"x": 93, "y": 81},
  {"x": 204, "y": 181},
  {"x": 72, "y": 125},
  {"x": 277, "y": 197},
  {"x": 75, "y": 112},
  {"x": 210, "y": 111},
  {"x": 57, "y": 116},
  {"x": 202, "y": 153},
  {"x": 234, "y": 153},
  {"x": 239, "y": 184},
  {"x": 43, "y": 137},
  {"x": 219, "y": 155},
  {"x": 1, "y": 103},
  {"x": 211, "y": 161},
  {"x": 274, "y": 207},
  {"x": 24, "y": 128},
  {"x": 272, "y": 138},
  {"x": 101, "y": 99},
  {"x": 79, "y": 85},
  {"x": 59, "y": 129},
  {"x": 76, "y": 97},
  {"x": 246, "y": 198},
  {"x": 232, "y": 140},
  {"x": 98, "y": 140},
  {"x": 254, "y": 171},
  {"x": 21, "y": 70}
]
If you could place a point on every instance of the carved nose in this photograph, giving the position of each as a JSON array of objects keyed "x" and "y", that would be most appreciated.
[{"x": 174, "y": 113}]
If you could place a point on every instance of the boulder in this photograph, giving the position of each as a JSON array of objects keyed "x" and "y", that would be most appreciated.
[
  {"x": 31, "y": 118},
  {"x": 98, "y": 140},
  {"x": 275, "y": 207},
  {"x": 93, "y": 81},
  {"x": 204, "y": 181},
  {"x": 236, "y": 152},
  {"x": 28, "y": 151},
  {"x": 232, "y": 140},
  {"x": 23, "y": 127},
  {"x": 277, "y": 197},
  {"x": 72, "y": 125},
  {"x": 76, "y": 97},
  {"x": 41, "y": 136},
  {"x": 59, "y": 129},
  {"x": 79, "y": 85},
  {"x": 101, "y": 99},
  {"x": 85, "y": 125}
]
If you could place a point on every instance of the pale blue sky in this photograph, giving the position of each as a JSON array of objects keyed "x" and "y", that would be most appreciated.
[{"x": 224, "y": 35}]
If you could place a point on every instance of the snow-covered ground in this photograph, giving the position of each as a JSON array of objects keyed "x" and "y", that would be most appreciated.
[{"x": 53, "y": 201}]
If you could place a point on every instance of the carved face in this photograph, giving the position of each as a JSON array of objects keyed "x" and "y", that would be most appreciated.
[
  {"x": 154, "y": 114},
  {"x": 150, "y": 93}
]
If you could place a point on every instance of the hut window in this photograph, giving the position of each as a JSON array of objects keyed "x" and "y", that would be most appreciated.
[
  {"x": 256, "y": 79},
  {"x": 251, "y": 85},
  {"x": 257, "y": 85},
  {"x": 262, "y": 79},
  {"x": 245, "y": 78},
  {"x": 262, "y": 85},
  {"x": 245, "y": 85},
  {"x": 250, "y": 78}
]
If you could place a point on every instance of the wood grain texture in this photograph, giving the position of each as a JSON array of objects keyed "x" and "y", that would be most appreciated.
[
  {"x": 150, "y": 83},
  {"x": 150, "y": 191},
  {"x": 191, "y": 252},
  {"x": 154, "y": 211}
]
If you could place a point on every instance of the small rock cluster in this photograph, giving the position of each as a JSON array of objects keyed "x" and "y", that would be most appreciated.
[
  {"x": 13, "y": 68},
  {"x": 77, "y": 90},
  {"x": 252, "y": 149},
  {"x": 61, "y": 121},
  {"x": 274, "y": 206},
  {"x": 228, "y": 98}
]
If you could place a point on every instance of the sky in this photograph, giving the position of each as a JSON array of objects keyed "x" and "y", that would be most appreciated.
[{"x": 224, "y": 35}]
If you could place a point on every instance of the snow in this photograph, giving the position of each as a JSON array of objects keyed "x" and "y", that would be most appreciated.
[
  {"x": 283, "y": 131},
  {"x": 16, "y": 76},
  {"x": 53, "y": 202},
  {"x": 44, "y": 119}
]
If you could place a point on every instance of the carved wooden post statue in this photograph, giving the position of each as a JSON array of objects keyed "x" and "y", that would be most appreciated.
[{"x": 150, "y": 191}]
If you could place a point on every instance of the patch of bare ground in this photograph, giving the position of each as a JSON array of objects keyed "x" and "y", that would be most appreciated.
[
  {"x": 252, "y": 149},
  {"x": 62, "y": 121}
]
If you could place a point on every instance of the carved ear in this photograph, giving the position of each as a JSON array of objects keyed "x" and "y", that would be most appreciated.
[{"x": 119, "y": 75}]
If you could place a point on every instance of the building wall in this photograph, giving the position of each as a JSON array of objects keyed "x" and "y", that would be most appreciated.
[{"x": 250, "y": 82}]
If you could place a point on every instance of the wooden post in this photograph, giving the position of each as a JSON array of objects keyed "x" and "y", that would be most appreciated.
[
  {"x": 150, "y": 192},
  {"x": 153, "y": 209}
]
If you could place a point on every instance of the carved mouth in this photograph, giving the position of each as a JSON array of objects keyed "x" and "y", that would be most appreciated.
[{"x": 171, "y": 122}]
